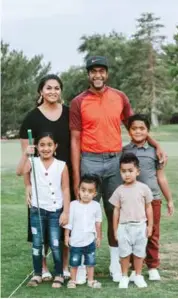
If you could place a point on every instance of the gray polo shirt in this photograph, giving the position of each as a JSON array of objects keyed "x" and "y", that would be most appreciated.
[{"x": 149, "y": 164}]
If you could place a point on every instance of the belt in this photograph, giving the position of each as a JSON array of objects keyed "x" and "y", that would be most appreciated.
[{"x": 104, "y": 155}]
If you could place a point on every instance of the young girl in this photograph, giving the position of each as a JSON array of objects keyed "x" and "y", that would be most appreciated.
[{"x": 53, "y": 197}]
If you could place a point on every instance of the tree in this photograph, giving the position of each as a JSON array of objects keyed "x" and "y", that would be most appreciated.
[
  {"x": 20, "y": 77},
  {"x": 171, "y": 57},
  {"x": 149, "y": 33},
  {"x": 75, "y": 81}
]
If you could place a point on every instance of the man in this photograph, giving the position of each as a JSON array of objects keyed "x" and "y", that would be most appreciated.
[{"x": 96, "y": 143}]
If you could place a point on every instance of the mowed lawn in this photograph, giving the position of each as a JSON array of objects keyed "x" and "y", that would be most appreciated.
[{"x": 16, "y": 252}]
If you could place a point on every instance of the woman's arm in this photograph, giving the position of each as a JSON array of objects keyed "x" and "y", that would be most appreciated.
[{"x": 24, "y": 165}]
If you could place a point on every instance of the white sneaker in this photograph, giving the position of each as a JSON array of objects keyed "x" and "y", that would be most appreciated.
[
  {"x": 139, "y": 281},
  {"x": 154, "y": 274},
  {"x": 124, "y": 282},
  {"x": 132, "y": 276},
  {"x": 115, "y": 272},
  {"x": 117, "y": 276},
  {"x": 81, "y": 275}
]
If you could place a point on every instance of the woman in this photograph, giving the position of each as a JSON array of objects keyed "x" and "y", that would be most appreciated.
[{"x": 52, "y": 116}]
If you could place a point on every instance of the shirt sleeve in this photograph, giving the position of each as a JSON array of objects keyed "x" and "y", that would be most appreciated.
[
  {"x": 71, "y": 217},
  {"x": 27, "y": 124},
  {"x": 148, "y": 195},
  {"x": 75, "y": 115},
  {"x": 127, "y": 110},
  {"x": 115, "y": 198},
  {"x": 98, "y": 213}
]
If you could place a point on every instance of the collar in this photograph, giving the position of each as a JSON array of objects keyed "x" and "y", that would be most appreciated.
[
  {"x": 105, "y": 88},
  {"x": 145, "y": 145}
]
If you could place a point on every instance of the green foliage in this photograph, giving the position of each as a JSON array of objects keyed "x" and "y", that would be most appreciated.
[
  {"x": 20, "y": 77},
  {"x": 141, "y": 66},
  {"x": 75, "y": 81},
  {"x": 137, "y": 66}
]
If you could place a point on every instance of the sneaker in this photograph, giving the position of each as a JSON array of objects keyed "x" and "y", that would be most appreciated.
[
  {"x": 81, "y": 275},
  {"x": 154, "y": 274},
  {"x": 115, "y": 272},
  {"x": 139, "y": 281},
  {"x": 132, "y": 276},
  {"x": 124, "y": 282}
]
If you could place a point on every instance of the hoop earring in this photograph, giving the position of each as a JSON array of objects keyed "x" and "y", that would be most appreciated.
[
  {"x": 55, "y": 154},
  {"x": 40, "y": 100}
]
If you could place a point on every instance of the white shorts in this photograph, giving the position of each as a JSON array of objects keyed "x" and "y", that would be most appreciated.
[{"x": 132, "y": 239}]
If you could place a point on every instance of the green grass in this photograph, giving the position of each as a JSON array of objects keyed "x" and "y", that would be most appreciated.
[{"x": 16, "y": 252}]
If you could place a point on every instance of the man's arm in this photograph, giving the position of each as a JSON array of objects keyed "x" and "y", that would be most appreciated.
[
  {"x": 162, "y": 156},
  {"x": 75, "y": 158},
  {"x": 164, "y": 186}
]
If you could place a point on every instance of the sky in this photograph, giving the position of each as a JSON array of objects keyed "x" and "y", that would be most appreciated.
[{"x": 54, "y": 27}]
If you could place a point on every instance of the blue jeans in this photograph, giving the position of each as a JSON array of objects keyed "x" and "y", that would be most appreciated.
[
  {"x": 88, "y": 252},
  {"x": 106, "y": 166},
  {"x": 50, "y": 221}
]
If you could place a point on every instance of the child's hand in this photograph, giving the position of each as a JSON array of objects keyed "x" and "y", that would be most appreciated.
[
  {"x": 66, "y": 241},
  {"x": 98, "y": 242},
  {"x": 149, "y": 231},
  {"x": 63, "y": 220},
  {"x": 170, "y": 208},
  {"x": 30, "y": 150},
  {"x": 115, "y": 235},
  {"x": 28, "y": 195}
]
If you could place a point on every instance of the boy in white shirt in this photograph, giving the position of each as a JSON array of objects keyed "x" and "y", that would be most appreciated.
[
  {"x": 83, "y": 232},
  {"x": 132, "y": 219}
]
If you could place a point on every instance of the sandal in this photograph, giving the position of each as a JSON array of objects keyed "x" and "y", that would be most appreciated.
[
  {"x": 94, "y": 284},
  {"x": 34, "y": 281},
  {"x": 46, "y": 276},
  {"x": 71, "y": 284},
  {"x": 58, "y": 283}
]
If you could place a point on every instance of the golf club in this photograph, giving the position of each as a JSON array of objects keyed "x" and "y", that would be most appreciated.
[{"x": 30, "y": 139}]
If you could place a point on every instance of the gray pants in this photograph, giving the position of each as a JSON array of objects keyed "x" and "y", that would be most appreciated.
[{"x": 106, "y": 166}]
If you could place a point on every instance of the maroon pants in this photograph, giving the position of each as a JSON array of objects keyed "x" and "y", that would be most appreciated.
[{"x": 152, "y": 251}]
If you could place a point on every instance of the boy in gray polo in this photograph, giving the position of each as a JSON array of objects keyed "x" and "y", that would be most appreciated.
[{"x": 152, "y": 174}]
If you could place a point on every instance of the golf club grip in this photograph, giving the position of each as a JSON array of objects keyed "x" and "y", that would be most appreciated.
[{"x": 30, "y": 139}]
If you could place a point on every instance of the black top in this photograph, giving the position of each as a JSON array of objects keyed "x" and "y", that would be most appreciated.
[{"x": 38, "y": 123}]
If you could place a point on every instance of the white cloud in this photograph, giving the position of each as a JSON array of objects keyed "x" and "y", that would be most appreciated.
[{"x": 30, "y": 9}]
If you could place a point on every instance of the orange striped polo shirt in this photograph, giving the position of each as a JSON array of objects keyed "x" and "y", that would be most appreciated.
[{"x": 98, "y": 117}]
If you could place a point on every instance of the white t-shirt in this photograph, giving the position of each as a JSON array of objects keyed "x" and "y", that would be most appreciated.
[
  {"x": 48, "y": 185},
  {"x": 82, "y": 220}
]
